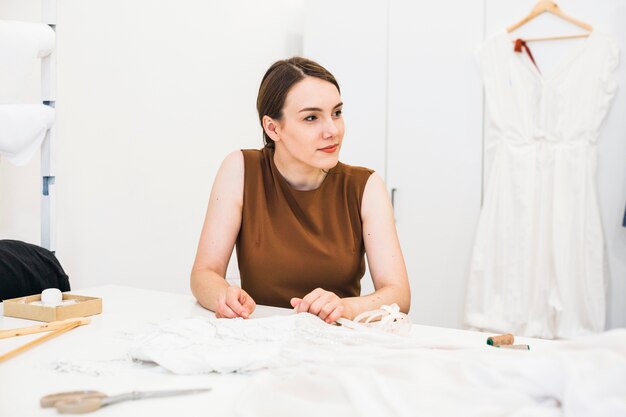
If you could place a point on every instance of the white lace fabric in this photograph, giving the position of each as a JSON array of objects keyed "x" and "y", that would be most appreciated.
[{"x": 201, "y": 345}]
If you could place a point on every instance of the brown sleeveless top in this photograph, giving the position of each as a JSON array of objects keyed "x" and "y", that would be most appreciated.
[{"x": 291, "y": 241}]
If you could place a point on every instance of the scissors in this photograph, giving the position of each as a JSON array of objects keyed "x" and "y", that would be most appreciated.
[{"x": 79, "y": 402}]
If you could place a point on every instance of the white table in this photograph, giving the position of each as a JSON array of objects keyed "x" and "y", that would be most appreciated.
[{"x": 25, "y": 378}]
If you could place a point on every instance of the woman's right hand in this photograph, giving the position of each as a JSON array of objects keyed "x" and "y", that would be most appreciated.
[{"x": 234, "y": 302}]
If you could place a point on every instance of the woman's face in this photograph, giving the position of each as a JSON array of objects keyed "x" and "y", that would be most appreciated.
[{"x": 311, "y": 129}]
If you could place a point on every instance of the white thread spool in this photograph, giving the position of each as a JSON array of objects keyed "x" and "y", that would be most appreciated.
[{"x": 51, "y": 297}]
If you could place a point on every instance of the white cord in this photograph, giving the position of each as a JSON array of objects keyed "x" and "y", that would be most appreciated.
[{"x": 388, "y": 319}]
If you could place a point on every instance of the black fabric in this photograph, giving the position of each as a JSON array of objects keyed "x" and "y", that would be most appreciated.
[{"x": 27, "y": 269}]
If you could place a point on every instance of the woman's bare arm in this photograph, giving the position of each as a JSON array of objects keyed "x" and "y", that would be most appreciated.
[
  {"x": 385, "y": 261},
  {"x": 217, "y": 240}
]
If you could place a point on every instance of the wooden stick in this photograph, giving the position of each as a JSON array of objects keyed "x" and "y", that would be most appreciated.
[
  {"x": 555, "y": 38},
  {"x": 53, "y": 325},
  {"x": 39, "y": 340}
]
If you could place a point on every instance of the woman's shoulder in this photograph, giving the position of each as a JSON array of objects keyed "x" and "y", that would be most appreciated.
[
  {"x": 352, "y": 170},
  {"x": 232, "y": 167},
  {"x": 252, "y": 153},
  {"x": 234, "y": 161},
  {"x": 255, "y": 155},
  {"x": 351, "y": 178}
]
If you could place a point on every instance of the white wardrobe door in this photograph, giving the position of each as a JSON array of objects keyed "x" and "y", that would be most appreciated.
[
  {"x": 349, "y": 38},
  {"x": 434, "y": 149}
]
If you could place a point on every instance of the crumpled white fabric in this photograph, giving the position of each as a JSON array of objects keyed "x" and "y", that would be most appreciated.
[
  {"x": 579, "y": 379},
  {"x": 300, "y": 363},
  {"x": 23, "y": 128},
  {"x": 200, "y": 345}
]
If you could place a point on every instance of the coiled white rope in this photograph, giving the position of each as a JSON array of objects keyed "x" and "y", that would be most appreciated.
[{"x": 388, "y": 319}]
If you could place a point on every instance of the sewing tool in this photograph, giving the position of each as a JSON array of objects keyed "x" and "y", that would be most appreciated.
[
  {"x": 51, "y": 297},
  {"x": 47, "y": 306},
  {"x": 500, "y": 340},
  {"x": 520, "y": 347},
  {"x": 79, "y": 402},
  {"x": 54, "y": 328}
]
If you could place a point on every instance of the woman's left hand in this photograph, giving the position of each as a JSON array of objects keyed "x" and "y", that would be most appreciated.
[{"x": 324, "y": 304}]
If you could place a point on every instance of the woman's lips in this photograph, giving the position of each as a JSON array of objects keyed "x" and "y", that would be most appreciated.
[{"x": 330, "y": 149}]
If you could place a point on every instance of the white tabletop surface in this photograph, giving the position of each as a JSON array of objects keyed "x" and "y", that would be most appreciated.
[{"x": 30, "y": 375}]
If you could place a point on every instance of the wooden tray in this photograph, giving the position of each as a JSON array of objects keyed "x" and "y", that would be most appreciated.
[{"x": 21, "y": 308}]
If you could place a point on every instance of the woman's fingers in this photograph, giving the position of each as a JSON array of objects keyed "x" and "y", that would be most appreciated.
[
  {"x": 295, "y": 301},
  {"x": 234, "y": 302},
  {"x": 323, "y": 300},
  {"x": 225, "y": 312},
  {"x": 309, "y": 299},
  {"x": 324, "y": 304},
  {"x": 248, "y": 303},
  {"x": 328, "y": 308},
  {"x": 335, "y": 314}
]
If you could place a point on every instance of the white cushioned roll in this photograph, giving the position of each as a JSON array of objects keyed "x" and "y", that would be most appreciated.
[
  {"x": 37, "y": 39},
  {"x": 22, "y": 129}
]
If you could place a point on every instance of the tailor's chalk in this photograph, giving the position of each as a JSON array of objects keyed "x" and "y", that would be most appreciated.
[
  {"x": 51, "y": 297},
  {"x": 519, "y": 347},
  {"x": 503, "y": 339}
]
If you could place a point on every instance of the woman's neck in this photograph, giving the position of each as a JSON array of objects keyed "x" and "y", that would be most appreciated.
[{"x": 299, "y": 175}]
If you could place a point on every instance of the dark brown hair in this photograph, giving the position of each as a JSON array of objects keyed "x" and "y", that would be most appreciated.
[{"x": 277, "y": 82}]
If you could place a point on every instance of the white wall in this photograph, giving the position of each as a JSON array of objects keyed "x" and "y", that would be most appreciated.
[
  {"x": 150, "y": 106},
  {"x": 152, "y": 95}
]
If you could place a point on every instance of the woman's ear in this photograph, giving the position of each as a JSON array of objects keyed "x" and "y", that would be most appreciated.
[{"x": 271, "y": 127}]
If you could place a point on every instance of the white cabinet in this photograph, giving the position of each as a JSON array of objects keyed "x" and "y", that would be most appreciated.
[
  {"x": 434, "y": 149},
  {"x": 356, "y": 54},
  {"x": 414, "y": 112}
]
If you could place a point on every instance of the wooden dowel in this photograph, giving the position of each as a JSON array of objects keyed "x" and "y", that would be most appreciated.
[
  {"x": 39, "y": 340},
  {"x": 53, "y": 325},
  {"x": 556, "y": 38}
]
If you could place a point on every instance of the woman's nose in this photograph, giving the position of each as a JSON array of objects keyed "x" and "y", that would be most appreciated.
[{"x": 330, "y": 128}]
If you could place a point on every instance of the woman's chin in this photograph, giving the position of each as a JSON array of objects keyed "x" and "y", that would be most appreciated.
[{"x": 329, "y": 162}]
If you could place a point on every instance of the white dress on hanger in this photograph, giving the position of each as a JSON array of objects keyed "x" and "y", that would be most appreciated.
[{"x": 538, "y": 263}]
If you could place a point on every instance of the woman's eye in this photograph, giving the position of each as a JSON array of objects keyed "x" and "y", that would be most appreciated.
[
  {"x": 338, "y": 113},
  {"x": 310, "y": 118}
]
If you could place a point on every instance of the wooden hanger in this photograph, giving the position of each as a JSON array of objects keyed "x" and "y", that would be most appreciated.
[{"x": 543, "y": 6}]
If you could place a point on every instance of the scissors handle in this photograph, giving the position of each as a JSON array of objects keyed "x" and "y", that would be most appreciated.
[
  {"x": 52, "y": 399},
  {"x": 80, "y": 406},
  {"x": 89, "y": 403}
]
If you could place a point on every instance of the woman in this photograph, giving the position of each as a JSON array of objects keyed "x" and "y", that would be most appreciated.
[{"x": 300, "y": 219}]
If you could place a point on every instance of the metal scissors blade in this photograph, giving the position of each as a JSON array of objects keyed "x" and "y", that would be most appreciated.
[{"x": 138, "y": 395}]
